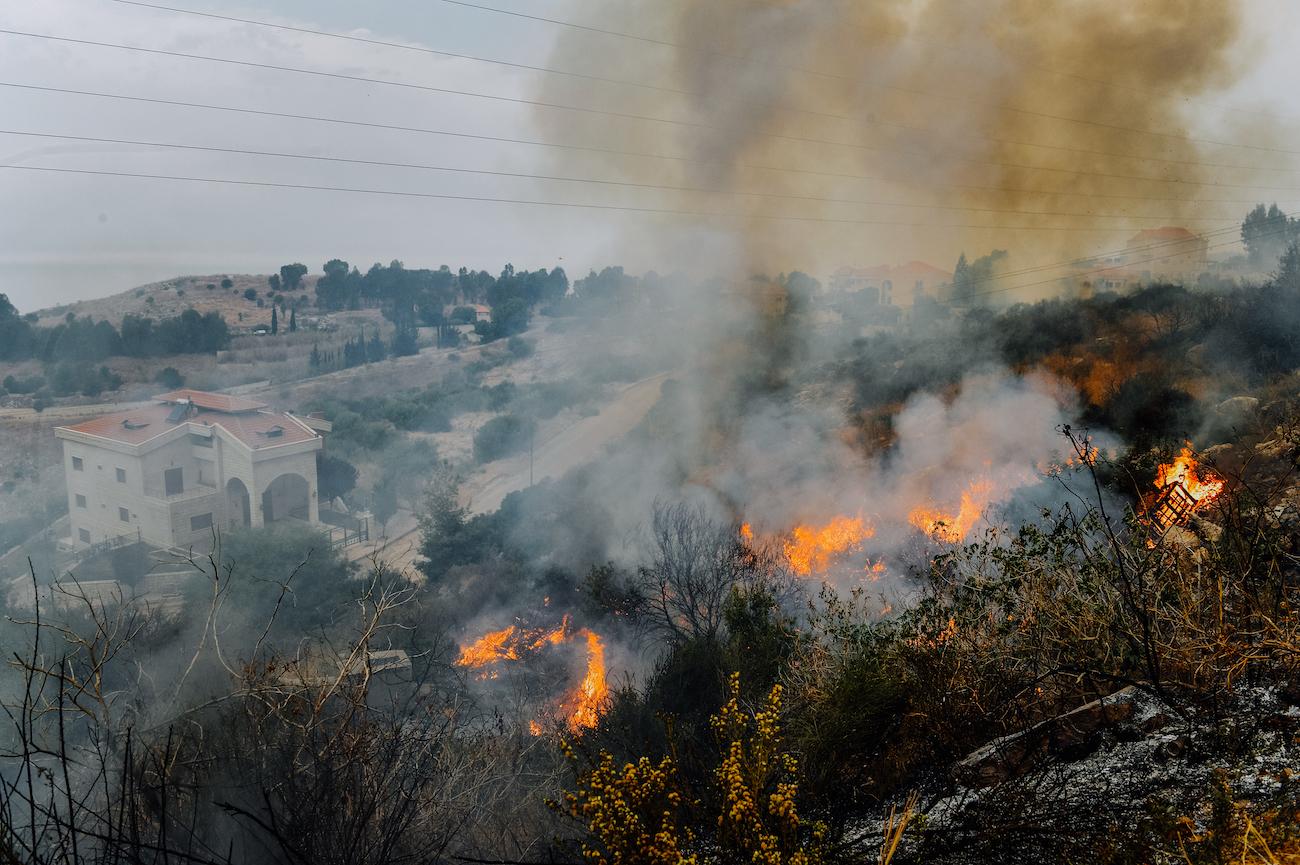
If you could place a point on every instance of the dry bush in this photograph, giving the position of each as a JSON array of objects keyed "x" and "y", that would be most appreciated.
[
  {"x": 1016, "y": 630},
  {"x": 304, "y": 759}
]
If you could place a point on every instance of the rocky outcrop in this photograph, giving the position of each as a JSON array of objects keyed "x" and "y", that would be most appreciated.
[{"x": 1075, "y": 733}]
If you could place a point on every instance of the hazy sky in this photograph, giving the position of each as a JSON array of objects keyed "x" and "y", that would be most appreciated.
[{"x": 65, "y": 236}]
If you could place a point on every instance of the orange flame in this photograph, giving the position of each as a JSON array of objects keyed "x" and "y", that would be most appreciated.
[
  {"x": 811, "y": 549},
  {"x": 509, "y": 644},
  {"x": 1186, "y": 471},
  {"x": 583, "y": 705},
  {"x": 490, "y": 648},
  {"x": 580, "y": 707},
  {"x": 954, "y": 528}
]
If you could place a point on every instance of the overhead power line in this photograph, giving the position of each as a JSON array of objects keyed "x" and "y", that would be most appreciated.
[
  {"x": 574, "y": 26},
  {"x": 1268, "y": 190},
  {"x": 597, "y": 181},
  {"x": 362, "y": 79},
  {"x": 404, "y": 47},
  {"x": 690, "y": 124},
  {"x": 1157, "y": 246},
  {"x": 837, "y": 77},
  {"x": 396, "y": 193},
  {"x": 1097, "y": 270},
  {"x": 1060, "y": 148}
]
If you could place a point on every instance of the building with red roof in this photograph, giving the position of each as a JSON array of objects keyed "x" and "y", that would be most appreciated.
[{"x": 189, "y": 462}]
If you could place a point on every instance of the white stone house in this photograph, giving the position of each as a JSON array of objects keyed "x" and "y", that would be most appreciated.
[{"x": 170, "y": 472}]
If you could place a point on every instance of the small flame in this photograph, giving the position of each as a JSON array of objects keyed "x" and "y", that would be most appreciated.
[
  {"x": 954, "y": 528},
  {"x": 812, "y": 549}
]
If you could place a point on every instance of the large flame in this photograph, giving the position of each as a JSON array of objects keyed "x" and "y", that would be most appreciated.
[
  {"x": 949, "y": 527},
  {"x": 1186, "y": 471},
  {"x": 581, "y": 707},
  {"x": 812, "y": 549}
]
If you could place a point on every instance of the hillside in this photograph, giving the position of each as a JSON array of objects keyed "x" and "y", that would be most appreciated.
[{"x": 171, "y": 297}]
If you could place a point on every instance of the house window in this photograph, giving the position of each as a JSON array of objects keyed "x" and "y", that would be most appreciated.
[
  {"x": 83, "y": 535},
  {"x": 202, "y": 521},
  {"x": 78, "y": 465},
  {"x": 124, "y": 515},
  {"x": 201, "y": 441},
  {"x": 121, "y": 476},
  {"x": 173, "y": 481},
  {"x": 81, "y": 500}
]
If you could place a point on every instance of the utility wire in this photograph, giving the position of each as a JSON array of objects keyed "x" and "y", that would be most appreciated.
[
  {"x": 833, "y": 76},
  {"x": 544, "y": 203},
  {"x": 561, "y": 178},
  {"x": 1096, "y": 270},
  {"x": 1078, "y": 261},
  {"x": 362, "y": 79},
  {"x": 1279, "y": 231},
  {"x": 681, "y": 159},
  {"x": 585, "y": 27},
  {"x": 404, "y": 47},
  {"x": 623, "y": 115},
  {"x": 824, "y": 114}
]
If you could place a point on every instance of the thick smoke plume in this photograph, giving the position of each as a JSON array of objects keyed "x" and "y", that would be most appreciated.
[{"x": 1001, "y": 109}]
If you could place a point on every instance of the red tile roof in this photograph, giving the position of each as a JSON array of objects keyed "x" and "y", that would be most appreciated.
[
  {"x": 212, "y": 401},
  {"x": 133, "y": 426},
  {"x": 253, "y": 428},
  {"x": 136, "y": 426}
]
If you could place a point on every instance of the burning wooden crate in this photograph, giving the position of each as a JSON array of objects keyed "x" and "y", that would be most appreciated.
[
  {"x": 1184, "y": 487},
  {"x": 1173, "y": 507}
]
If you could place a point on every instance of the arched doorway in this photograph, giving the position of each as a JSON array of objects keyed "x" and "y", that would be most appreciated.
[
  {"x": 286, "y": 498},
  {"x": 238, "y": 513}
]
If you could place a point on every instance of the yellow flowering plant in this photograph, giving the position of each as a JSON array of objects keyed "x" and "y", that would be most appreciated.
[{"x": 641, "y": 813}]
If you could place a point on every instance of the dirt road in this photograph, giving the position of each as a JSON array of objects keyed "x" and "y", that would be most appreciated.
[{"x": 565, "y": 448}]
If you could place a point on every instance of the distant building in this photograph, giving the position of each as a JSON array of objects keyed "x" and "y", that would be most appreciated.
[
  {"x": 170, "y": 472},
  {"x": 900, "y": 286},
  {"x": 1151, "y": 256},
  {"x": 1168, "y": 251}
]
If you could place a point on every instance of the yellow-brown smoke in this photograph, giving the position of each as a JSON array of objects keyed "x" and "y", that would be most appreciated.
[{"x": 944, "y": 102}]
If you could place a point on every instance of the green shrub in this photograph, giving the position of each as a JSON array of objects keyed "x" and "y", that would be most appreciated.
[
  {"x": 519, "y": 347},
  {"x": 502, "y": 437},
  {"x": 169, "y": 378}
]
